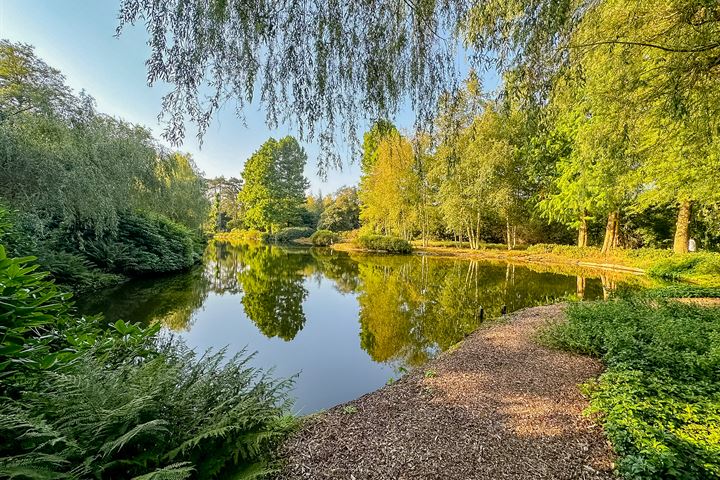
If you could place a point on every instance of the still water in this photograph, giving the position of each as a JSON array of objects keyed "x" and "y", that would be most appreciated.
[{"x": 346, "y": 323}]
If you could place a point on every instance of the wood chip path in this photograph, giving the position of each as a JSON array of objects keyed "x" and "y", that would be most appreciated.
[{"x": 498, "y": 407}]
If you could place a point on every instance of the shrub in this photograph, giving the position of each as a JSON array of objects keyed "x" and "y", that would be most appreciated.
[
  {"x": 658, "y": 398},
  {"x": 349, "y": 235},
  {"x": 76, "y": 271},
  {"x": 151, "y": 243},
  {"x": 383, "y": 243},
  {"x": 287, "y": 235},
  {"x": 323, "y": 238}
]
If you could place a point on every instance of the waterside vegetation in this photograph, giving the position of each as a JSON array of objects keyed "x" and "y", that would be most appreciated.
[
  {"x": 658, "y": 399},
  {"x": 85, "y": 399}
]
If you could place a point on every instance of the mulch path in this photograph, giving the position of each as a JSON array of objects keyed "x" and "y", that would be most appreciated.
[{"x": 498, "y": 407}]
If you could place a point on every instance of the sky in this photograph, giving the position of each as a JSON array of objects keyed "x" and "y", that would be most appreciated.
[{"x": 78, "y": 38}]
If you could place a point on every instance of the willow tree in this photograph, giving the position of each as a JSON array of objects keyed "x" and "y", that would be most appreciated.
[{"x": 324, "y": 64}]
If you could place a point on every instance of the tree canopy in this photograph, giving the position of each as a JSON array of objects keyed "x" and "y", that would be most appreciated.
[{"x": 273, "y": 192}]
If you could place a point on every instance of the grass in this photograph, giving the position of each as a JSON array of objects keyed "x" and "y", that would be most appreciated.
[{"x": 659, "y": 398}]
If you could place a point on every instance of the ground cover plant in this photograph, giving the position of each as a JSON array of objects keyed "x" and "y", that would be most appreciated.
[{"x": 659, "y": 398}]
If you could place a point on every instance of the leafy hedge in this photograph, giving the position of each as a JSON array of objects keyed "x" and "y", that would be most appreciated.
[
  {"x": 324, "y": 238},
  {"x": 659, "y": 398},
  {"x": 79, "y": 399},
  {"x": 287, "y": 235},
  {"x": 382, "y": 243}
]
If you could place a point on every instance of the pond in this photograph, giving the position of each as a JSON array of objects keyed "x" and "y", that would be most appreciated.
[{"x": 345, "y": 323}]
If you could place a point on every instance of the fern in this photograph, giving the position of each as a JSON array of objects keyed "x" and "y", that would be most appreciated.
[{"x": 176, "y": 471}]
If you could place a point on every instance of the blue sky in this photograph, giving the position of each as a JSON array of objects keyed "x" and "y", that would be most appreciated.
[{"x": 77, "y": 37}]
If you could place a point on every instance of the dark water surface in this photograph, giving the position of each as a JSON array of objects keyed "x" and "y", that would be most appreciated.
[{"x": 347, "y": 323}]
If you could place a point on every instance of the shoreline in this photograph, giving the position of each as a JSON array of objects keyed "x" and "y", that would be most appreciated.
[
  {"x": 498, "y": 405},
  {"x": 512, "y": 256}
]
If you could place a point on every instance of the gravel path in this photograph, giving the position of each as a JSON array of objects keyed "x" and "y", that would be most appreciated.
[{"x": 498, "y": 407}]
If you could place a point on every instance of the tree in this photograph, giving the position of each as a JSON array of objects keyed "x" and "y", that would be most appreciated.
[
  {"x": 225, "y": 192},
  {"x": 389, "y": 192},
  {"x": 343, "y": 213},
  {"x": 478, "y": 179},
  {"x": 29, "y": 85},
  {"x": 319, "y": 63},
  {"x": 371, "y": 141},
  {"x": 75, "y": 178},
  {"x": 592, "y": 175},
  {"x": 648, "y": 73},
  {"x": 290, "y": 184},
  {"x": 273, "y": 191}
]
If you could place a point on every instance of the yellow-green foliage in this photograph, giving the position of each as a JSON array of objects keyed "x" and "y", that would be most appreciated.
[
  {"x": 700, "y": 267},
  {"x": 324, "y": 238}
]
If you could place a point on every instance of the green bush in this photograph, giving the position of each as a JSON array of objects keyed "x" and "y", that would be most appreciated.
[
  {"x": 149, "y": 243},
  {"x": 79, "y": 399},
  {"x": 287, "y": 235},
  {"x": 323, "y": 238},
  {"x": 659, "y": 398},
  {"x": 382, "y": 243},
  {"x": 684, "y": 290}
]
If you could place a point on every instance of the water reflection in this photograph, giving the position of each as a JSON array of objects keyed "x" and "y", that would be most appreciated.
[{"x": 345, "y": 320}]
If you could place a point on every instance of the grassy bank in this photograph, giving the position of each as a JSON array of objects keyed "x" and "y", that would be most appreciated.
[
  {"x": 659, "y": 398},
  {"x": 702, "y": 268}
]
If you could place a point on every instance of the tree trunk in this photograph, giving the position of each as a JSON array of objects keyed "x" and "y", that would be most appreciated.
[
  {"x": 682, "y": 228},
  {"x": 616, "y": 232},
  {"x": 581, "y": 287},
  {"x": 509, "y": 234},
  {"x": 583, "y": 231},
  {"x": 611, "y": 232}
]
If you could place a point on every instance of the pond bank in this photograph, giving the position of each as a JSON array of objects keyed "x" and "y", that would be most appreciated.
[
  {"x": 518, "y": 256},
  {"x": 498, "y": 406}
]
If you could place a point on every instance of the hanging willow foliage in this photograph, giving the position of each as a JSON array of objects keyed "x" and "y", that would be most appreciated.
[{"x": 326, "y": 64}]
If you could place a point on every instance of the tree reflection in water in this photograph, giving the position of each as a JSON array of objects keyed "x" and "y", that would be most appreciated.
[{"x": 410, "y": 307}]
